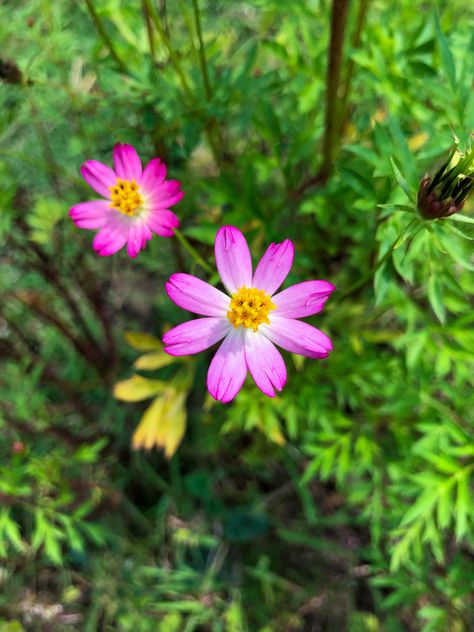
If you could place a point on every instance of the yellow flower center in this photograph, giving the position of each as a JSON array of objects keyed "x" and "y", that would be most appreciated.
[
  {"x": 249, "y": 307},
  {"x": 125, "y": 196}
]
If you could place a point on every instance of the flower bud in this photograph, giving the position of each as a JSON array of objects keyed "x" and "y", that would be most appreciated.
[{"x": 446, "y": 192}]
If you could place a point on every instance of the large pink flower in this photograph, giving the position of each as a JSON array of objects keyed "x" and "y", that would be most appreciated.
[
  {"x": 136, "y": 204},
  {"x": 251, "y": 320}
]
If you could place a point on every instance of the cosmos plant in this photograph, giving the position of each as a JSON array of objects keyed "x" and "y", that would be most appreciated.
[
  {"x": 136, "y": 204},
  {"x": 251, "y": 319}
]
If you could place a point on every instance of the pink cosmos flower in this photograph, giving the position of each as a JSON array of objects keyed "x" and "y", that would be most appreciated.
[
  {"x": 136, "y": 203},
  {"x": 251, "y": 321}
]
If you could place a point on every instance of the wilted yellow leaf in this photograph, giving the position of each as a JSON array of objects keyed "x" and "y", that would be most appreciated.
[
  {"x": 154, "y": 360},
  {"x": 138, "y": 388},
  {"x": 142, "y": 341},
  {"x": 163, "y": 423}
]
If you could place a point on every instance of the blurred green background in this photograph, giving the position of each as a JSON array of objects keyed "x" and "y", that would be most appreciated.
[{"x": 345, "y": 503}]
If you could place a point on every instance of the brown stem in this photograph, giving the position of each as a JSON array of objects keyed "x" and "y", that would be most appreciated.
[
  {"x": 338, "y": 28},
  {"x": 25, "y": 427},
  {"x": 34, "y": 302},
  {"x": 44, "y": 266}
]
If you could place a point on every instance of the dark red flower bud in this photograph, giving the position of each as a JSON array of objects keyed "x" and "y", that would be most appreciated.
[{"x": 446, "y": 192}]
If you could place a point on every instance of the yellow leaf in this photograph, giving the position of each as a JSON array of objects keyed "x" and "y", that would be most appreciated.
[
  {"x": 154, "y": 360},
  {"x": 163, "y": 423},
  {"x": 142, "y": 342},
  {"x": 138, "y": 388},
  {"x": 417, "y": 141}
]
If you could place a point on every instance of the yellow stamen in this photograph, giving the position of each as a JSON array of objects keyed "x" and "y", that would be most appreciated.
[
  {"x": 125, "y": 196},
  {"x": 249, "y": 307}
]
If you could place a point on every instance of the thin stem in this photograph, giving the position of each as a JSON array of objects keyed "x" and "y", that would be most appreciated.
[
  {"x": 165, "y": 39},
  {"x": 192, "y": 251},
  {"x": 360, "y": 20},
  {"x": 202, "y": 54},
  {"x": 338, "y": 28},
  {"x": 149, "y": 30},
  {"x": 103, "y": 33},
  {"x": 36, "y": 304},
  {"x": 369, "y": 275},
  {"x": 38, "y": 163}
]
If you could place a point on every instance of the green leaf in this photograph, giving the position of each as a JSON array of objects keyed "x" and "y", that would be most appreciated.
[
  {"x": 436, "y": 298},
  {"x": 457, "y": 217},
  {"x": 446, "y": 55},
  {"x": 402, "y": 181}
]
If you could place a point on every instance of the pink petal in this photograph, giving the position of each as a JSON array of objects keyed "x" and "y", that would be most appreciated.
[
  {"x": 297, "y": 337},
  {"x": 274, "y": 267},
  {"x": 265, "y": 363},
  {"x": 112, "y": 237},
  {"x": 99, "y": 176},
  {"x": 195, "y": 335},
  {"x": 162, "y": 222},
  {"x": 228, "y": 368},
  {"x": 302, "y": 299},
  {"x": 154, "y": 175},
  {"x": 94, "y": 214},
  {"x": 128, "y": 165},
  {"x": 233, "y": 258},
  {"x": 164, "y": 195},
  {"x": 137, "y": 237},
  {"x": 197, "y": 296}
]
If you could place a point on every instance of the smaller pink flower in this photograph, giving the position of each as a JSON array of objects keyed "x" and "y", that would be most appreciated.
[
  {"x": 252, "y": 320},
  {"x": 136, "y": 203}
]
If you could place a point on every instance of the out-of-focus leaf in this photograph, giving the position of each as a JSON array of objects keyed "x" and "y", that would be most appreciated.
[
  {"x": 153, "y": 361},
  {"x": 143, "y": 341},
  {"x": 138, "y": 388}
]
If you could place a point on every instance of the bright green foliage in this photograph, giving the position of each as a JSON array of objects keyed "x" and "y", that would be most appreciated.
[{"x": 344, "y": 503}]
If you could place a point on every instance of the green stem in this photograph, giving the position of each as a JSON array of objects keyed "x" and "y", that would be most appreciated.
[
  {"x": 361, "y": 15},
  {"x": 165, "y": 39},
  {"x": 39, "y": 163},
  {"x": 370, "y": 274},
  {"x": 103, "y": 33},
  {"x": 192, "y": 251},
  {"x": 202, "y": 54},
  {"x": 149, "y": 30}
]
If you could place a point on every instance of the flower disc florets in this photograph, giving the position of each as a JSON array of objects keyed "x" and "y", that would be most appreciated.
[
  {"x": 125, "y": 196},
  {"x": 250, "y": 307}
]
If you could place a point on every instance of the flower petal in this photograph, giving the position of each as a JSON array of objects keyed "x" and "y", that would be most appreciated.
[
  {"x": 297, "y": 337},
  {"x": 302, "y": 299},
  {"x": 233, "y": 258},
  {"x": 128, "y": 165},
  {"x": 195, "y": 335},
  {"x": 197, "y": 296},
  {"x": 112, "y": 237},
  {"x": 94, "y": 214},
  {"x": 99, "y": 176},
  {"x": 274, "y": 266},
  {"x": 162, "y": 222},
  {"x": 265, "y": 363},
  {"x": 138, "y": 235},
  {"x": 154, "y": 175},
  {"x": 228, "y": 369},
  {"x": 163, "y": 195}
]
